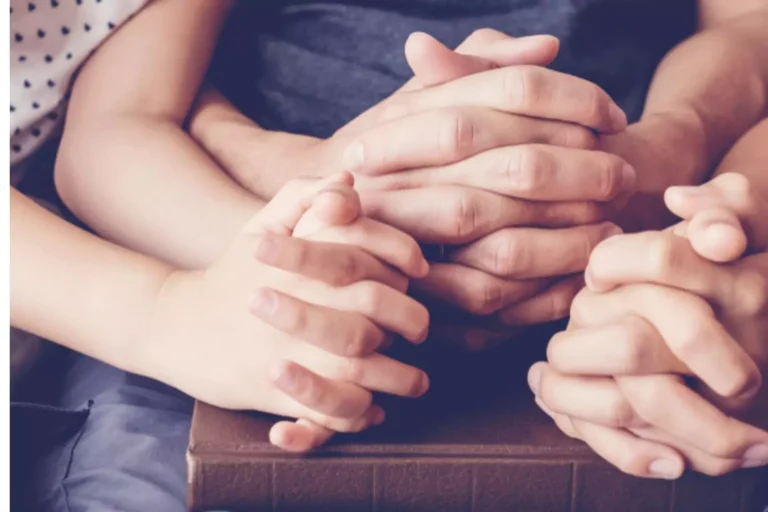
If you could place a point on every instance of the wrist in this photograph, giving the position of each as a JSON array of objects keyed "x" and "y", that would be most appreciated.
[{"x": 168, "y": 321}]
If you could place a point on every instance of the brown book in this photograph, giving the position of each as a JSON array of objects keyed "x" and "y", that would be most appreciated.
[{"x": 476, "y": 442}]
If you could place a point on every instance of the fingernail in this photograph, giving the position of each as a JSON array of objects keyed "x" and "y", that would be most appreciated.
[
  {"x": 534, "y": 379},
  {"x": 377, "y": 415},
  {"x": 354, "y": 157},
  {"x": 755, "y": 456},
  {"x": 264, "y": 302},
  {"x": 268, "y": 250},
  {"x": 628, "y": 177},
  {"x": 618, "y": 117},
  {"x": 665, "y": 468}
]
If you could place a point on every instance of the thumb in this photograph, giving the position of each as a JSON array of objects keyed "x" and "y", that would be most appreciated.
[
  {"x": 333, "y": 197},
  {"x": 715, "y": 234},
  {"x": 433, "y": 63}
]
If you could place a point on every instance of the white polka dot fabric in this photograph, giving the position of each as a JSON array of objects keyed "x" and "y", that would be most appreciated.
[{"x": 50, "y": 39}]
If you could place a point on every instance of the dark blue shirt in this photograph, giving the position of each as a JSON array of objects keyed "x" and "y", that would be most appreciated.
[{"x": 309, "y": 67}]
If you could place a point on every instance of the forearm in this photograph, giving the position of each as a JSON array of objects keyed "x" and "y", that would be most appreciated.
[
  {"x": 77, "y": 290},
  {"x": 706, "y": 93},
  {"x": 749, "y": 156},
  {"x": 125, "y": 165},
  {"x": 253, "y": 156},
  {"x": 143, "y": 183}
]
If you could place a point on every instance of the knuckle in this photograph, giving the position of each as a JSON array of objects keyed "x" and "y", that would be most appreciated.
[
  {"x": 620, "y": 413},
  {"x": 527, "y": 169},
  {"x": 489, "y": 300},
  {"x": 594, "y": 104},
  {"x": 665, "y": 256},
  {"x": 509, "y": 256},
  {"x": 609, "y": 177},
  {"x": 752, "y": 294},
  {"x": 457, "y": 134},
  {"x": 296, "y": 320},
  {"x": 466, "y": 217},
  {"x": 357, "y": 345},
  {"x": 726, "y": 445},
  {"x": 348, "y": 270},
  {"x": 632, "y": 346},
  {"x": 649, "y": 404},
  {"x": 696, "y": 328},
  {"x": 371, "y": 297},
  {"x": 737, "y": 186},
  {"x": 353, "y": 369},
  {"x": 578, "y": 137},
  {"x": 520, "y": 86},
  {"x": 482, "y": 34}
]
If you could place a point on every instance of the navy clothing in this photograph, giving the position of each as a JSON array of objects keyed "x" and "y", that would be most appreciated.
[
  {"x": 117, "y": 441},
  {"x": 309, "y": 67}
]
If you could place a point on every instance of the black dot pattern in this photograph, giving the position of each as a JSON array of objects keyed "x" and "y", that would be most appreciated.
[{"x": 50, "y": 39}]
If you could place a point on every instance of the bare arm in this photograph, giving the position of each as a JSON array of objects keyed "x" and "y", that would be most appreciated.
[
  {"x": 126, "y": 166},
  {"x": 71, "y": 287},
  {"x": 707, "y": 92}
]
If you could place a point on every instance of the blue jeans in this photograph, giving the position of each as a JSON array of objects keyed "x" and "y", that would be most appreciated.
[{"x": 108, "y": 441}]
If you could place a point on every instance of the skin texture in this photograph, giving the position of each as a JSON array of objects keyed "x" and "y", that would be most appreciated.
[{"x": 689, "y": 301}]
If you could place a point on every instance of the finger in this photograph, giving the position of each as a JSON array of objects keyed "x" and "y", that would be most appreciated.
[
  {"x": 630, "y": 454},
  {"x": 456, "y": 215},
  {"x": 717, "y": 235},
  {"x": 285, "y": 210},
  {"x": 375, "y": 372},
  {"x": 450, "y": 135},
  {"x": 529, "y": 171},
  {"x": 731, "y": 191},
  {"x": 594, "y": 399},
  {"x": 562, "y": 421},
  {"x": 527, "y": 90},
  {"x": 549, "y": 305},
  {"x": 385, "y": 242},
  {"x": 332, "y": 263},
  {"x": 324, "y": 396},
  {"x": 687, "y": 324},
  {"x": 336, "y": 205},
  {"x": 389, "y": 308},
  {"x": 667, "y": 403},
  {"x": 696, "y": 460},
  {"x": 433, "y": 63},
  {"x": 657, "y": 257},
  {"x": 339, "y": 332},
  {"x": 631, "y": 346},
  {"x": 472, "y": 290},
  {"x": 300, "y": 436},
  {"x": 526, "y": 253}
]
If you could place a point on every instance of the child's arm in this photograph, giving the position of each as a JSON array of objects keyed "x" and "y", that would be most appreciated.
[
  {"x": 126, "y": 166},
  {"x": 297, "y": 351},
  {"x": 73, "y": 288}
]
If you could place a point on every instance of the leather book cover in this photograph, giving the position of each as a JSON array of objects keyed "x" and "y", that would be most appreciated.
[{"x": 476, "y": 442}]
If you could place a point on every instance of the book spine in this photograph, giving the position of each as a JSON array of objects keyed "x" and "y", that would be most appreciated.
[{"x": 458, "y": 485}]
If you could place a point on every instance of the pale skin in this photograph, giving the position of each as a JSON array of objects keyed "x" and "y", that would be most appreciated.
[
  {"x": 244, "y": 316},
  {"x": 688, "y": 301},
  {"x": 698, "y": 105},
  {"x": 185, "y": 221}
]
